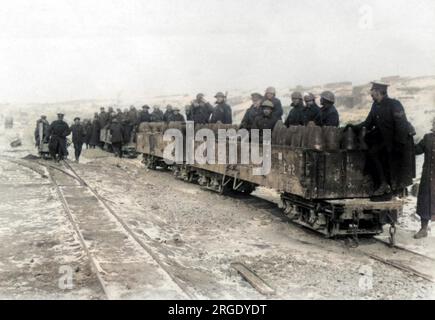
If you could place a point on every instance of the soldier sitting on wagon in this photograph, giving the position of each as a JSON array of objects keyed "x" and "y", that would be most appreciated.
[
  {"x": 176, "y": 116},
  {"x": 253, "y": 111},
  {"x": 426, "y": 191},
  {"x": 266, "y": 120}
]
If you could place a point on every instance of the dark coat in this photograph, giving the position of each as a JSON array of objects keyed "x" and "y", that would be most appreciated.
[
  {"x": 117, "y": 132},
  {"x": 222, "y": 113},
  {"x": 328, "y": 117},
  {"x": 200, "y": 112},
  {"x": 88, "y": 130},
  {"x": 249, "y": 117},
  {"x": 263, "y": 122},
  {"x": 167, "y": 115},
  {"x": 157, "y": 116},
  {"x": 78, "y": 133},
  {"x": 132, "y": 116},
  {"x": 176, "y": 117},
  {"x": 95, "y": 133},
  {"x": 388, "y": 127},
  {"x": 277, "y": 108},
  {"x": 103, "y": 119},
  {"x": 295, "y": 116},
  {"x": 144, "y": 116},
  {"x": 310, "y": 113},
  {"x": 426, "y": 191},
  {"x": 58, "y": 131}
]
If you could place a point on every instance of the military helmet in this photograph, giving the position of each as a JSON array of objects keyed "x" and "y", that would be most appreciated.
[
  {"x": 145, "y": 106},
  {"x": 296, "y": 95},
  {"x": 328, "y": 95},
  {"x": 256, "y": 95},
  {"x": 199, "y": 96},
  {"x": 309, "y": 97},
  {"x": 271, "y": 90},
  {"x": 219, "y": 94},
  {"x": 60, "y": 114},
  {"x": 43, "y": 116},
  {"x": 176, "y": 109},
  {"x": 76, "y": 118},
  {"x": 267, "y": 104}
]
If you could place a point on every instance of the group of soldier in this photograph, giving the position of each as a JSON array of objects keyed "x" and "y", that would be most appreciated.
[{"x": 391, "y": 149}]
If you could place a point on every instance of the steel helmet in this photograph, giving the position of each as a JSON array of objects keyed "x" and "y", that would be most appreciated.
[
  {"x": 328, "y": 95},
  {"x": 267, "y": 104},
  {"x": 271, "y": 90},
  {"x": 309, "y": 97},
  {"x": 296, "y": 95}
]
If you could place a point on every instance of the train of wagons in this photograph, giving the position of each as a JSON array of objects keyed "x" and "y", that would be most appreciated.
[{"x": 319, "y": 173}]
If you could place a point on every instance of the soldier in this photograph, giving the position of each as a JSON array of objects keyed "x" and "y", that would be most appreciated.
[
  {"x": 296, "y": 114},
  {"x": 188, "y": 112},
  {"x": 311, "y": 110},
  {"x": 328, "y": 115},
  {"x": 390, "y": 142},
  {"x": 277, "y": 106},
  {"x": 103, "y": 117},
  {"x": 95, "y": 132},
  {"x": 266, "y": 120},
  {"x": 222, "y": 111},
  {"x": 253, "y": 111},
  {"x": 118, "y": 137},
  {"x": 168, "y": 113},
  {"x": 157, "y": 114},
  {"x": 87, "y": 124},
  {"x": 176, "y": 116},
  {"x": 200, "y": 110},
  {"x": 144, "y": 114},
  {"x": 78, "y": 137},
  {"x": 426, "y": 190},
  {"x": 45, "y": 127},
  {"x": 58, "y": 131}
]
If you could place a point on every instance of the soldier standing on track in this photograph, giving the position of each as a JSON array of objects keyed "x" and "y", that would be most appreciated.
[
  {"x": 45, "y": 127},
  {"x": 222, "y": 111},
  {"x": 389, "y": 138},
  {"x": 311, "y": 110},
  {"x": 58, "y": 131},
  {"x": 253, "y": 111},
  {"x": 200, "y": 110},
  {"x": 277, "y": 106},
  {"x": 328, "y": 115},
  {"x": 176, "y": 116},
  {"x": 78, "y": 137},
  {"x": 296, "y": 114},
  {"x": 426, "y": 191},
  {"x": 95, "y": 132},
  {"x": 117, "y": 133},
  {"x": 169, "y": 111}
]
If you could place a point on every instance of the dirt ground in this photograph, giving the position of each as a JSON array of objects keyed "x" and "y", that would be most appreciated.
[{"x": 194, "y": 233}]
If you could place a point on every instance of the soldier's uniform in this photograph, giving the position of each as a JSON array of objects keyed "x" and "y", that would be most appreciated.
[
  {"x": 426, "y": 191},
  {"x": 95, "y": 134},
  {"x": 277, "y": 106},
  {"x": 266, "y": 120},
  {"x": 144, "y": 115},
  {"x": 391, "y": 146},
  {"x": 296, "y": 114},
  {"x": 253, "y": 111},
  {"x": 328, "y": 115},
  {"x": 176, "y": 116},
  {"x": 58, "y": 131},
  {"x": 118, "y": 137},
  {"x": 221, "y": 112},
  {"x": 200, "y": 110},
  {"x": 311, "y": 110},
  {"x": 78, "y": 138},
  {"x": 157, "y": 115},
  {"x": 168, "y": 113}
]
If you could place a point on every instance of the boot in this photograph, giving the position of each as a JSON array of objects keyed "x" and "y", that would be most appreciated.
[
  {"x": 383, "y": 189},
  {"x": 423, "y": 231}
]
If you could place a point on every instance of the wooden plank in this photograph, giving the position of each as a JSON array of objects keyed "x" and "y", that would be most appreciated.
[{"x": 254, "y": 280}]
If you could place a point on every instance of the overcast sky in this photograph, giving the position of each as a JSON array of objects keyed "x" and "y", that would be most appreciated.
[{"x": 53, "y": 50}]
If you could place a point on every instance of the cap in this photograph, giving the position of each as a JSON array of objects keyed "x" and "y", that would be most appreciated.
[
  {"x": 219, "y": 94},
  {"x": 328, "y": 95},
  {"x": 199, "y": 95},
  {"x": 44, "y": 116},
  {"x": 267, "y": 104},
  {"x": 60, "y": 114},
  {"x": 76, "y": 118},
  {"x": 379, "y": 86},
  {"x": 145, "y": 107},
  {"x": 271, "y": 90},
  {"x": 256, "y": 95}
]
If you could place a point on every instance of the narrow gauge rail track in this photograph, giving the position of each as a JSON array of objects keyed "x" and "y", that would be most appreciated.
[{"x": 160, "y": 277}]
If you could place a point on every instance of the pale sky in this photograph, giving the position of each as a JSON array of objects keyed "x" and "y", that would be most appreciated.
[{"x": 54, "y": 50}]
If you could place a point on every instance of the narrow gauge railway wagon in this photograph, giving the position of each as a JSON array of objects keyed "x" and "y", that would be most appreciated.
[
  {"x": 128, "y": 149},
  {"x": 319, "y": 173}
]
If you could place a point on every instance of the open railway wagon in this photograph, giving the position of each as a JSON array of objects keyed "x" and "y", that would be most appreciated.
[
  {"x": 128, "y": 149},
  {"x": 319, "y": 173}
]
